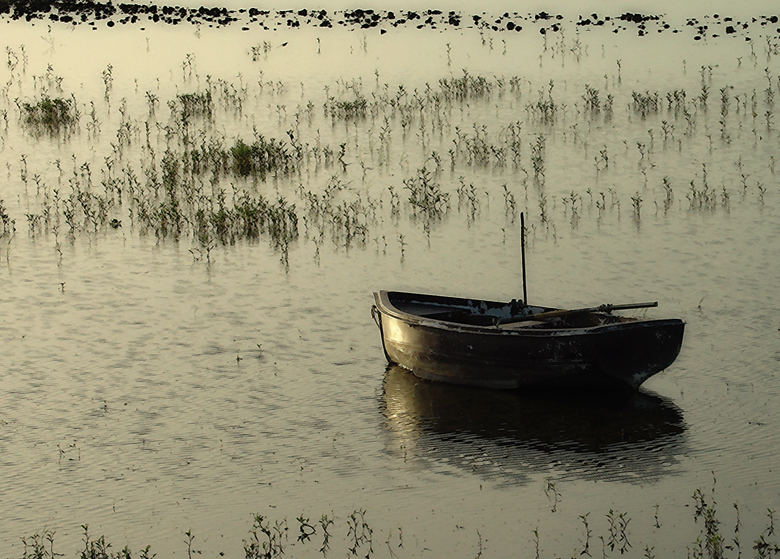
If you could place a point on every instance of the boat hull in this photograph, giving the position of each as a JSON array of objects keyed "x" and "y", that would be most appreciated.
[{"x": 624, "y": 353}]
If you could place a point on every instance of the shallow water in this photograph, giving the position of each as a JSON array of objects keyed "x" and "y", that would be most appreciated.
[{"x": 148, "y": 392}]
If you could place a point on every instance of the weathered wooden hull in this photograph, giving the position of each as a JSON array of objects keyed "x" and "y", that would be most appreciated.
[{"x": 626, "y": 352}]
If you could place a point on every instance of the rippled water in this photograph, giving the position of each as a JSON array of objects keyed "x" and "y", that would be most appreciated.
[{"x": 147, "y": 392}]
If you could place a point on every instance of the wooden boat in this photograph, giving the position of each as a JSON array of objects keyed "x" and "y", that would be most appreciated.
[{"x": 510, "y": 345}]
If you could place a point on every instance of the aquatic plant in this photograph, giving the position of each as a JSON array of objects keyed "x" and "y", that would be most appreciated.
[
  {"x": 8, "y": 224},
  {"x": 262, "y": 156},
  {"x": 189, "y": 105},
  {"x": 266, "y": 539},
  {"x": 636, "y": 203},
  {"x": 645, "y": 103},
  {"x": 176, "y": 175},
  {"x": 466, "y": 87},
  {"x": 359, "y": 534},
  {"x": 50, "y": 114},
  {"x": 592, "y": 99},
  {"x": 347, "y": 109},
  {"x": 426, "y": 196},
  {"x": 538, "y": 157},
  {"x": 270, "y": 537},
  {"x": 618, "y": 531},
  {"x": 545, "y": 109}
]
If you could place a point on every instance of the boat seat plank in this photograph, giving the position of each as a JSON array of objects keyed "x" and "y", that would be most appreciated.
[{"x": 521, "y": 324}]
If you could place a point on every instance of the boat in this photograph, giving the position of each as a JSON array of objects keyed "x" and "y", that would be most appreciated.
[{"x": 511, "y": 344}]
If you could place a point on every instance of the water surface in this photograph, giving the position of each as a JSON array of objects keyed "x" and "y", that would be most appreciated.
[{"x": 148, "y": 392}]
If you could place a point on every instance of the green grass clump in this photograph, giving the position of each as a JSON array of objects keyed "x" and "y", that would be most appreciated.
[
  {"x": 50, "y": 114},
  {"x": 645, "y": 103},
  {"x": 261, "y": 157},
  {"x": 7, "y": 224},
  {"x": 248, "y": 217},
  {"x": 347, "y": 109},
  {"x": 426, "y": 196},
  {"x": 468, "y": 87},
  {"x": 195, "y": 105}
]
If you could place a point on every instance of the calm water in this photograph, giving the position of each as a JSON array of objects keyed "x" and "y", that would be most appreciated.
[{"x": 148, "y": 392}]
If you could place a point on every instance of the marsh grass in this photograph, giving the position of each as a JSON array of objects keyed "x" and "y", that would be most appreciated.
[
  {"x": 52, "y": 115},
  {"x": 261, "y": 157},
  {"x": 193, "y": 105},
  {"x": 347, "y": 109},
  {"x": 428, "y": 201},
  {"x": 177, "y": 176},
  {"x": 8, "y": 225},
  {"x": 270, "y": 538}
]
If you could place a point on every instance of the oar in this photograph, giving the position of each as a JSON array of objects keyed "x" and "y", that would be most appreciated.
[
  {"x": 607, "y": 308},
  {"x": 601, "y": 308}
]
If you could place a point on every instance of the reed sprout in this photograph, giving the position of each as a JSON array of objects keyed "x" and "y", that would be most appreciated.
[
  {"x": 271, "y": 537},
  {"x": 538, "y": 157},
  {"x": 8, "y": 225},
  {"x": 426, "y": 196}
]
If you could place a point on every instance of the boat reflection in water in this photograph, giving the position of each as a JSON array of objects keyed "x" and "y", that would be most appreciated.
[{"x": 512, "y": 435}]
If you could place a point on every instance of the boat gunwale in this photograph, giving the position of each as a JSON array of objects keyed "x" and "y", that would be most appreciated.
[{"x": 385, "y": 306}]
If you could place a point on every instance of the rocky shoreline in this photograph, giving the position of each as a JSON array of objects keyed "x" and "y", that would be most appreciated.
[{"x": 108, "y": 14}]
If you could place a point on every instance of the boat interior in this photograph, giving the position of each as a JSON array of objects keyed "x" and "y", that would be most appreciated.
[{"x": 504, "y": 315}]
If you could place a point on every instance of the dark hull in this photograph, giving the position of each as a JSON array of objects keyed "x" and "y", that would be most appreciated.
[{"x": 625, "y": 352}]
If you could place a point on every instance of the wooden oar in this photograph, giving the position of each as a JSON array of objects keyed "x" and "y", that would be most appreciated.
[
  {"x": 601, "y": 308},
  {"x": 607, "y": 308}
]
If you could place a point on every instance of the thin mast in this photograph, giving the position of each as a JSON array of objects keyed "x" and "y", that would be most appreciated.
[{"x": 522, "y": 254}]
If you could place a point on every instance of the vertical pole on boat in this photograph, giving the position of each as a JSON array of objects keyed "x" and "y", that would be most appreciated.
[{"x": 522, "y": 254}]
